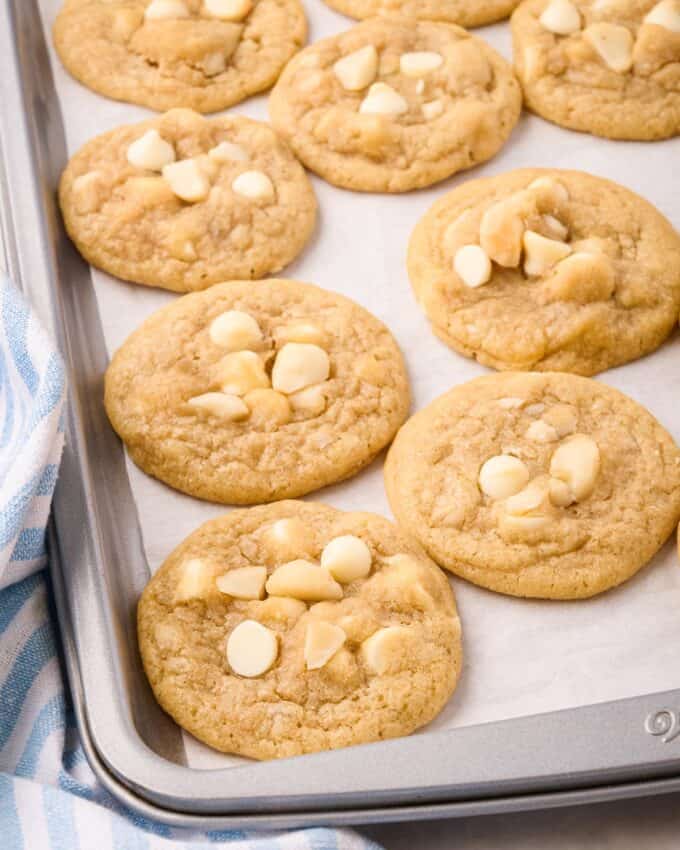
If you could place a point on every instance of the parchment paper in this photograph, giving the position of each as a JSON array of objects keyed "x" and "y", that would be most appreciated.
[{"x": 521, "y": 657}]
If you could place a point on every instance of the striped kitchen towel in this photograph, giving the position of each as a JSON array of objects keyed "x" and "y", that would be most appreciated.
[{"x": 49, "y": 797}]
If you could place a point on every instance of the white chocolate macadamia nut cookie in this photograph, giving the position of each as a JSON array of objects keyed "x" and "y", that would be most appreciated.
[
  {"x": 547, "y": 270},
  {"x": 251, "y": 392},
  {"x": 543, "y": 485},
  {"x": 465, "y": 13},
  {"x": 395, "y": 104},
  {"x": 607, "y": 67},
  {"x": 201, "y": 54},
  {"x": 311, "y": 662},
  {"x": 183, "y": 202}
]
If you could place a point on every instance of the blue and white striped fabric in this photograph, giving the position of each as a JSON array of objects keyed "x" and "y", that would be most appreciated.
[{"x": 49, "y": 798}]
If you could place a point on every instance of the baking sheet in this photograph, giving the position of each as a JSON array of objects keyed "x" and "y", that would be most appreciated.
[{"x": 521, "y": 657}]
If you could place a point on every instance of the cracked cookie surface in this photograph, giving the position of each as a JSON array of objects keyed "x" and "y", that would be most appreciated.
[
  {"x": 372, "y": 655},
  {"x": 202, "y": 54},
  {"x": 395, "y": 104},
  {"x": 606, "y": 67},
  {"x": 251, "y": 392},
  {"x": 183, "y": 202},
  {"x": 574, "y": 273},
  {"x": 541, "y": 485},
  {"x": 465, "y": 13}
]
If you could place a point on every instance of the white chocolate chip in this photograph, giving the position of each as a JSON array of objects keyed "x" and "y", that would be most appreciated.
[
  {"x": 187, "y": 180},
  {"x": 559, "y": 190},
  {"x": 420, "y": 86},
  {"x": 254, "y": 185},
  {"x": 500, "y": 234},
  {"x": 267, "y": 407},
  {"x": 472, "y": 265},
  {"x": 613, "y": 44},
  {"x": 303, "y": 580},
  {"x": 322, "y": 641},
  {"x": 159, "y": 10},
  {"x": 560, "y": 493},
  {"x": 311, "y": 400},
  {"x": 561, "y": 17},
  {"x": 86, "y": 192},
  {"x": 242, "y": 371},
  {"x": 665, "y": 14},
  {"x": 563, "y": 418},
  {"x": 347, "y": 558},
  {"x": 541, "y": 432},
  {"x": 527, "y": 500},
  {"x": 522, "y": 527},
  {"x": 195, "y": 581},
  {"x": 300, "y": 332},
  {"x": 228, "y": 152},
  {"x": 228, "y": 10},
  {"x": 510, "y": 402},
  {"x": 383, "y": 100},
  {"x": 151, "y": 151},
  {"x": 502, "y": 476},
  {"x": 243, "y": 583},
  {"x": 358, "y": 69},
  {"x": 555, "y": 228},
  {"x": 577, "y": 463},
  {"x": 235, "y": 331},
  {"x": 433, "y": 109},
  {"x": 420, "y": 63},
  {"x": 383, "y": 651},
  {"x": 228, "y": 407},
  {"x": 541, "y": 254},
  {"x": 288, "y": 539},
  {"x": 299, "y": 365},
  {"x": 252, "y": 649}
]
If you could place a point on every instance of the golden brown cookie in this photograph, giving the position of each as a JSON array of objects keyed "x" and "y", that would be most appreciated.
[
  {"x": 251, "y": 392},
  {"x": 607, "y": 67},
  {"x": 465, "y": 13},
  {"x": 547, "y": 269},
  {"x": 541, "y": 485},
  {"x": 395, "y": 104},
  {"x": 295, "y": 627},
  {"x": 201, "y": 54},
  {"x": 183, "y": 202}
]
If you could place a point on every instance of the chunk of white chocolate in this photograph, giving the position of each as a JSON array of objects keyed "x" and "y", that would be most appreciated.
[
  {"x": 159, "y": 10},
  {"x": 267, "y": 407},
  {"x": 187, "y": 180},
  {"x": 555, "y": 228},
  {"x": 561, "y": 17},
  {"x": 252, "y": 649},
  {"x": 500, "y": 234},
  {"x": 383, "y": 100},
  {"x": 322, "y": 641},
  {"x": 541, "y": 432},
  {"x": 196, "y": 578},
  {"x": 560, "y": 493},
  {"x": 228, "y": 152},
  {"x": 347, "y": 558},
  {"x": 235, "y": 331},
  {"x": 577, "y": 462},
  {"x": 150, "y": 151},
  {"x": 288, "y": 539},
  {"x": 299, "y": 365},
  {"x": 383, "y": 651},
  {"x": 358, "y": 69},
  {"x": 303, "y": 580},
  {"x": 613, "y": 44},
  {"x": 228, "y": 407},
  {"x": 243, "y": 582},
  {"x": 665, "y": 14},
  {"x": 502, "y": 476},
  {"x": 433, "y": 109},
  {"x": 531, "y": 498},
  {"x": 254, "y": 185},
  {"x": 311, "y": 400},
  {"x": 547, "y": 184},
  {"x": 242, "y": 371},
  {"x": 472, "y": 265},
  {"x": 541, "y": 254},
  {"x": 228, "y": 10},
  {"x": 420, "y": 63}
]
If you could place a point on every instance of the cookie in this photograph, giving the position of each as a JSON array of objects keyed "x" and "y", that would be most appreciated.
[
  {"x": 607, "y": 67},
  {"x": 183, "y": 202},
  {"x": 547, "y": 270},
  {"x": 395, "y": 104},
  {"x": 541, "y": 485},
  {"x": 465, "y": 13},
  {"x": 291, "y": 628},
  {"x": 251, "y": 392},
  {"x": 201, "y": 54}
]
